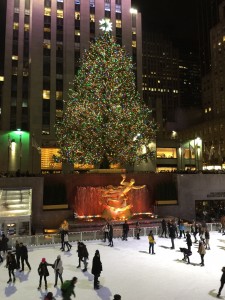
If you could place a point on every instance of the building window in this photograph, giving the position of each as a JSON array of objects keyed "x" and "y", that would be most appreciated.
[
  {"x": 118, "y": 24},
  {"x": 92, "y": 18},
  {"x": 47, "y": 3},
  {"x": 77, "y": 15},
  {"x": 59, "y": 95},
  {"x": 166, "y": 152},
  {"x": 60, "y": 13},
  {"x": 47, "y": 159},
  {"x": 46, "y": 94},
  {"x": 15, "y": 26},
  {"x": 92, "y": 3},
  {"x": 47, "y": 11}
]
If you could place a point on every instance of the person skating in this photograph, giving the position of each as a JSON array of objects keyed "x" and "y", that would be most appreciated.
[
  {"x": 201, "y": 251},
  {"x": 24, "y": 256},
  {"x": 151, "y": 240},
  {"x": 181, "y": 229},
  {"x": 222, "y": 282},
  {"x": 207, "y": 237},
  {"x": 110, "y": 235},
  {"x": 11, "y": 265},
  {"x": 164, "y": 228},
  {"x": 67, "y": 288},
  {"x": 43, "y": 272},
  {"x": 58, "y": 268},
  {"x": 79, "y": 253},
  {"x": 105, "y": 230},
  {"x": 125, "y": 231},
  {"x": 18, "y": 254},
  {"x": 96, "y": 268},
  {"x": 84, "y": 256},
  {"x": 188, "y": 240},
  {"x": 138, "y": 230},
  {"x": 172, "y": 234},
  {"x": 4, "y": 243},
  {"x": 66, "y": 241}
]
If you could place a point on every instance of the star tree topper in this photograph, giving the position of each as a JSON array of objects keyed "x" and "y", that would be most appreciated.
[{"x": 105, "y": 25}]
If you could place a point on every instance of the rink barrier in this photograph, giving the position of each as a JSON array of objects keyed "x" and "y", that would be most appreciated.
[{"x": 55, "y": 239}]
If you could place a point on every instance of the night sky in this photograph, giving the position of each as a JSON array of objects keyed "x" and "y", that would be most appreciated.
[{"x": 177, "y": 19}]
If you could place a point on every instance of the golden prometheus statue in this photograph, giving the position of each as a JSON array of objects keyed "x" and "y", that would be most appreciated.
[{"x": 115, "y": 199}]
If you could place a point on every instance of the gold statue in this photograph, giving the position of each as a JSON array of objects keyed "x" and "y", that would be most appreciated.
[{"x": 115, "y": 198}]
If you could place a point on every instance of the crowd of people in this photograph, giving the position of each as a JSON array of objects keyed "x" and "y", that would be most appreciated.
[{"x": 17, "y": 257}]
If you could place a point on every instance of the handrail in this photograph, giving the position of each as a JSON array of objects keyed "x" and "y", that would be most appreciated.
[{"x": 55, "y": 239}]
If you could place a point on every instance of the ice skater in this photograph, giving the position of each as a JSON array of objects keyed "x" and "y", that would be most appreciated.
[
  {"x": 222, "y": 282},
  {"x": 43, "y": 272},
  {"x": 58, "y": 268},
  {"x": 201, "y": 251},
  {"x": 110, "y": 235},
  {"x": 67, "y": 288},
  {"x": 151, "y": 240},
  {"x": 96, "y": 268},
  {"x": 66, "y": 241},
  {"x": 84, "y": 255},
  {"x": 188, "y": 240},
  {"x": 164, "y": 228},
  {"x": 125, "y": 231},
  {"x": 24, "y": 256},
  {"x": 11, "y": 265},
  {"x": 138, "y": 230}
]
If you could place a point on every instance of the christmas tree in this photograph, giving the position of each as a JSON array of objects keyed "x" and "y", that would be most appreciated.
[{"x": 104, "y": 117}]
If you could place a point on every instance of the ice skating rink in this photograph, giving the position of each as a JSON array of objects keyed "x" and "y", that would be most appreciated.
[{"x": 128, "y": 269}]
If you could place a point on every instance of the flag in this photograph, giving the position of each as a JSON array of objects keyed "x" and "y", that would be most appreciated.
[
  {"x": 35, "y": 145},
  {"x": 211, "y": 152}
]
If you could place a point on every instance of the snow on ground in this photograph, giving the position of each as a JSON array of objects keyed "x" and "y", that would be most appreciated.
[{"x": 129, "y": 270}]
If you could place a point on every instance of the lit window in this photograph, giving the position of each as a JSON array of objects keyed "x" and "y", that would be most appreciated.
[
  {"x": 46, "y": 94},
  {"x": 15, "y": 57},
  {"x": 60, "y": 13},
  {"x": 77, "y": 32},
  {"x": 134, "y": 44},
  {"x": 15, "y": 26},
  {"x": 210, "y": 108},
  {"x": 59, "y": 113},
  {"x": 206, "y": 110},
  {"x": 46, "y": 29},
  {"x": 47, "y": 11},
  {"x": 77, "y": 15},
  {"x": 47, "y": 158},
  {"x": 59, "y": 95},
  {"x": 46, "y": 46},
  {"x": 118, "y": 23},
  {"x": 1, "y": 78},
  {"x": 224, "y": 38},
  {"x": 26, "y": 27},
  {"x": 166, "y": 152},
  {"x": 92, "y": 18}
]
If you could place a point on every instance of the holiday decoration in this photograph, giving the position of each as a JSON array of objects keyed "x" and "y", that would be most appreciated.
[{"x": 104, "y": 118}]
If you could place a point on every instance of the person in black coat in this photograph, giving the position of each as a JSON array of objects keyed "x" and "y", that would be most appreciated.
[
  {"x": 11, "y": 265},
  {"x": 188, "y": 240},
  {"x": 4, "y": 243},
  {"x": 222, "y": 282},
  {"x": 24, "y": 256},
  {"x": 164, "y": 228},
  {"x": 1, "y": 258},
  {"x": 84, "y": 255},
  {"x": 43, "y": 272},
  {"x": 79, "y": 253},
  {"x": 172, "y": 233},
  {"x": 125, "y": 231},
  {"x": 96, "y": 268},
  {"x": 110, "y": 235},
  {"x": 18, "y": 254}
]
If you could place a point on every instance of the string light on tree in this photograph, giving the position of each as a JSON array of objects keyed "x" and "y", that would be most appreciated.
[{"x": 103, "y": 111}]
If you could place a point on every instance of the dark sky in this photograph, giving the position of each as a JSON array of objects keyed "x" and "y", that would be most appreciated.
[{"x": 175, "y": 18}]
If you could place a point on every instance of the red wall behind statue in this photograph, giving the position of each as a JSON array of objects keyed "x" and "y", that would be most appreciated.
[{"x": 83, "y": 197}]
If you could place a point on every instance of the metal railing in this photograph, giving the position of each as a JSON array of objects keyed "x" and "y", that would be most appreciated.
[{"x": 51, "y": 239}]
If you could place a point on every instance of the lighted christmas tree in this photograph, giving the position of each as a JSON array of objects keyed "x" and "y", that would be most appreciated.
[{"x": 104, "y": 117}]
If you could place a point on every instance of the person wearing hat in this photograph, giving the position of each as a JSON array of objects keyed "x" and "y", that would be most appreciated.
[
  {"x": 96, "y": 268},
  {"x": 43, "y": 272},
  {"x": 117, "y": 297},
  {"x": 58, "y": 268}
]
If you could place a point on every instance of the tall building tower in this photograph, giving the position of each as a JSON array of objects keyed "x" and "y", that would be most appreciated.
[{"x": 44, "y": 40}]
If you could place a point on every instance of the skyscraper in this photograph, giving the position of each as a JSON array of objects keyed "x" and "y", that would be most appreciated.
[{"x": 43, "y": 41}]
